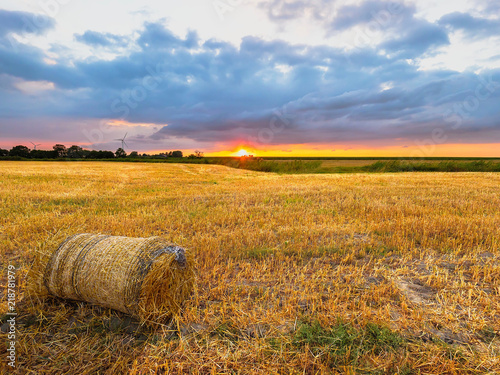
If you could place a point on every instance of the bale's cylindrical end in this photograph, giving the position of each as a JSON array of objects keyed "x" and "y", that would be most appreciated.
[
  {"x": 170, "y": 272},
  {"x": 148, "y": 278}
]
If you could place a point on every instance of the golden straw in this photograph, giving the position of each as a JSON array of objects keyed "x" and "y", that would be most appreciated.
[{"x": 148, "y": 278}]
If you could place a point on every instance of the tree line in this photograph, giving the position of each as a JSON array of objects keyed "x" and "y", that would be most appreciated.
[{"x": 77, "y": 152}]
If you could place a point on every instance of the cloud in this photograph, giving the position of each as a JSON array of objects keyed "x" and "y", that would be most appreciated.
[
  {"x": 286, "y": 10},
  {"x": 474, "y": 27},
  {"x": 96, "y": 39},
  {"x": 402, "y": 32},
  {"x": 489, "y": 7},
  {"x": 416, "y": 40},
  {"x": 155, "y": 35},
  {"x": 261, "y": 91},
  {"x": 24, "y": 23},
  {"x": 385, "y": 14},
  {"x": 28, "y": 63}
]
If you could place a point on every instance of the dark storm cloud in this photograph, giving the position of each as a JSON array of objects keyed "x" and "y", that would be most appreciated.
[{"x": 213, "y": 91}]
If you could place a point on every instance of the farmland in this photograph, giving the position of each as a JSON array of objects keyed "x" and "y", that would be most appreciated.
[{"x": 296, "y": 273}]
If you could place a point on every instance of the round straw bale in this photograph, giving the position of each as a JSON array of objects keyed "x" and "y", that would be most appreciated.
[{"x": 148, "y": 278}]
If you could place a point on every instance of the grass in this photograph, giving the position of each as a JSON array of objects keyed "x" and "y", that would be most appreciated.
[
  {"x": 346, "y": 343},
  {"x": 261, "y": 165},
  {"x": 365, "y": 273},
  {"x": 359, "y": 165},
  {"x": 321, "y": 165},
  {"x": 443, "y": 166}
]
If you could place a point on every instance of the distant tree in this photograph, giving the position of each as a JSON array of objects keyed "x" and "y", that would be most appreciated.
[
  {"x": 104, "y": 154},
  {"x": 75, "y": 152},
  {"x": 120, "y": 153},
  {"x": 91, "y": 154},
  {"x": 198, "y": 153},
  {"x": 20, "y": 150},
  {"x": 4, "y": 152},
  {"x": 177, "y": 154},
  {"x": 94, "y": 154},
  {"x": 192, "y": 156},
  {"x": 100, "y": 154},
  {"x": 133, "y": 154},
  {"x": 61, "y": 150},
  {"x": 161, "y": 155},
  {"x": 43, "y": 154}
]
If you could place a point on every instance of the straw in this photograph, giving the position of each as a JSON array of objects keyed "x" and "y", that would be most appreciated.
[{"x": 148, "y": 278}]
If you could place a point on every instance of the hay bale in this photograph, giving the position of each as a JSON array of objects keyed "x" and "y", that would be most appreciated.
[{"x": 148, "y": 278}]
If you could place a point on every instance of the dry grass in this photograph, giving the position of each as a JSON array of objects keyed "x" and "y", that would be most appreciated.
[{"x": 384, "y": 273}]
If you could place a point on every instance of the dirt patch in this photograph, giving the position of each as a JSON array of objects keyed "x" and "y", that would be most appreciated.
[{"x": 416, "y": 291}]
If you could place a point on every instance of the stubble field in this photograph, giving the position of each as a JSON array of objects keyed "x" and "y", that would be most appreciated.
[{"x": 341, "y": 273}]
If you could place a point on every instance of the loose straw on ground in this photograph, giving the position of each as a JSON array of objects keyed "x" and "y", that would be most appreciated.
[{"x": 148, "y": 278}]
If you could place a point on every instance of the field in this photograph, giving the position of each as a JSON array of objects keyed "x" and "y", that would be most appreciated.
[
  {"x": 358, "y": 165},
  {"x": 376, "y": 273}
]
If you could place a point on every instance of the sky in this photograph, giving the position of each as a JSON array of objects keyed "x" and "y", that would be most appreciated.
[{"x": 275, "y": 77}]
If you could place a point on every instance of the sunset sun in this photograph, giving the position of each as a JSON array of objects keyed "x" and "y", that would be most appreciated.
[{"x": 242, "y": 152}]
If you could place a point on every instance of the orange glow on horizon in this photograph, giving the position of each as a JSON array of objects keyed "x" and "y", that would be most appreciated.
[
  {"x": 445, "y": 150},
  {"x": 491, "y": 150}
]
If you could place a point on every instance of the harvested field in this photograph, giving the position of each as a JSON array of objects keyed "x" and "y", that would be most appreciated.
[{"x": 347, "y": 273}]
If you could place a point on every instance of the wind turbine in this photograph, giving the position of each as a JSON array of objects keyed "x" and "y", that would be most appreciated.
[
  {"x": 34, "y": 145},
  {"x": 123, "y": 141}
]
